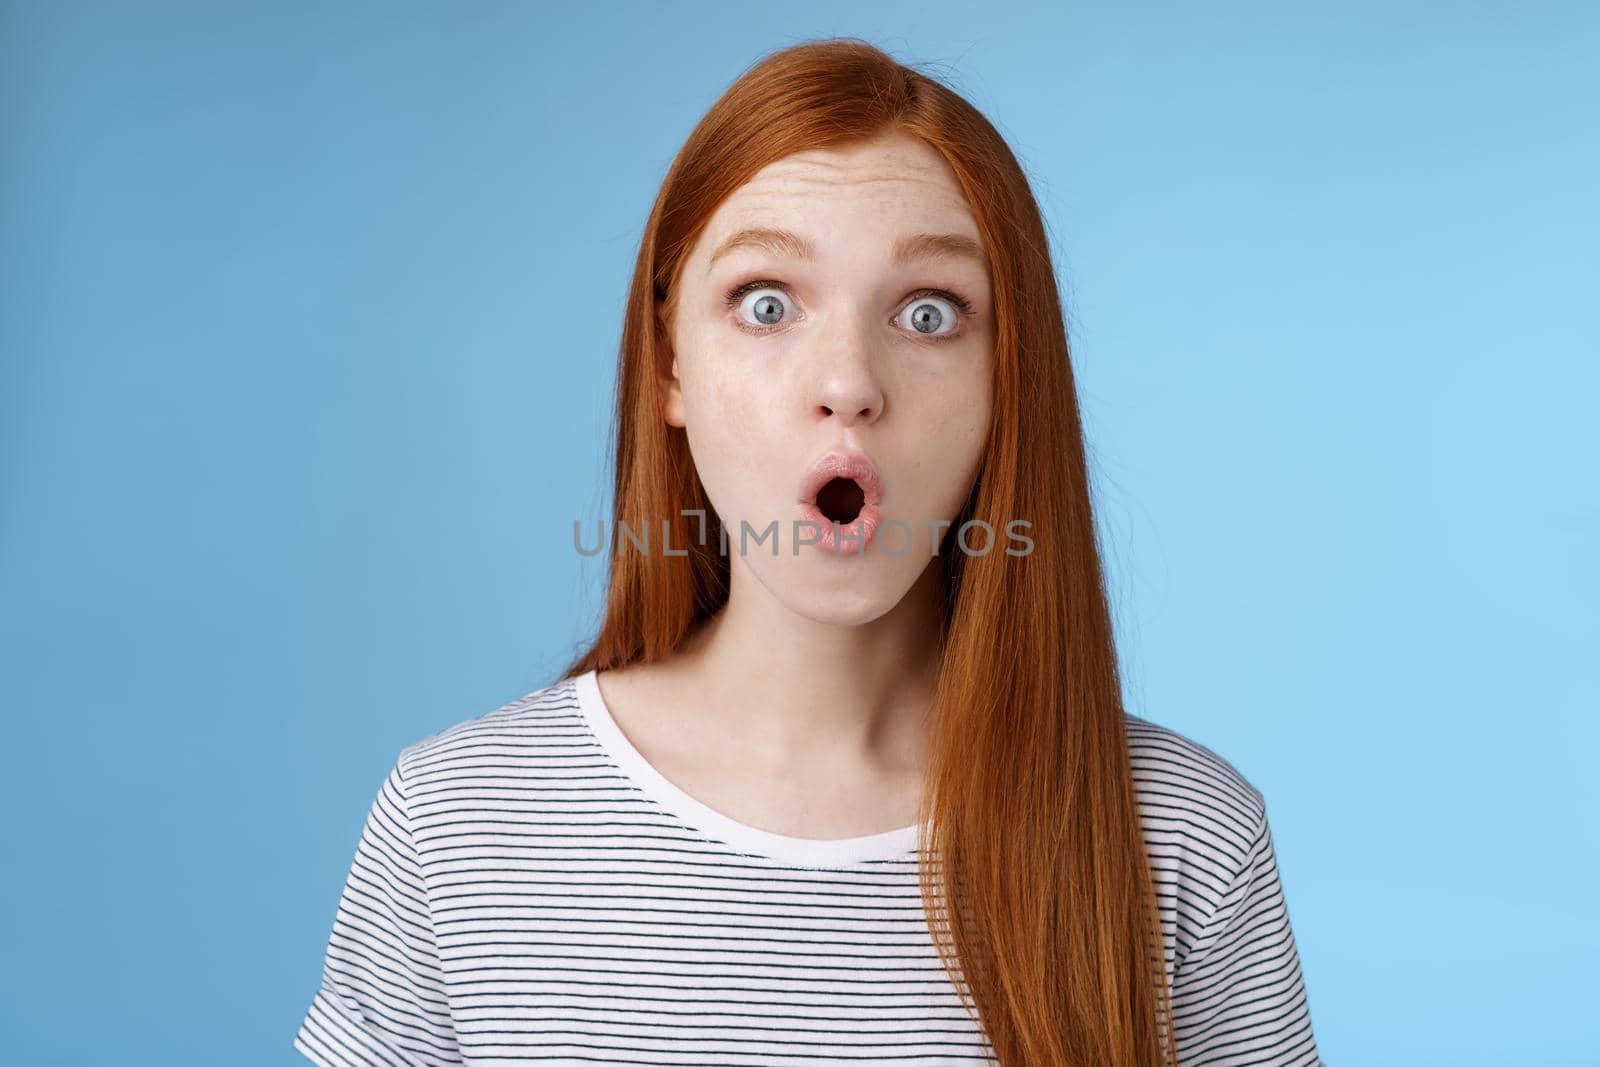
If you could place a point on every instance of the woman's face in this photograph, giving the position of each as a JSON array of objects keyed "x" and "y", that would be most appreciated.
[{"x": 837, "y": 302}]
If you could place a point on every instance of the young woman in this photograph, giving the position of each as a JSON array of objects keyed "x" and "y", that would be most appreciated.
[{"x": 846, "y": 776}]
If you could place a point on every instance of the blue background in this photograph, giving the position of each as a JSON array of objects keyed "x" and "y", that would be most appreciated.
[{"x": 310, "y": 316}]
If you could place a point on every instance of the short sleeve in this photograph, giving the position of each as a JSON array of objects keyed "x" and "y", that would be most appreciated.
[
  {"x": 1238, "y": 996},
  {"x": 382, "y": 998}
]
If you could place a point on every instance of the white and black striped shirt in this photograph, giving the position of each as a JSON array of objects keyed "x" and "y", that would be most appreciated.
[{"x": 528, "y": 888}]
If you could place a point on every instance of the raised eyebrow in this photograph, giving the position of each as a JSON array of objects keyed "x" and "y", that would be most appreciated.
[
  {"x": 938, "y": 246},
  {"x": 778, "y": 242},
  {"x": 914, "y": 246}
]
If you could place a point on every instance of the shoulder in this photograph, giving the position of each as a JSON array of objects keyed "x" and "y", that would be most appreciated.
[
  {"x": 1170, "y": 767},
  {"x": 529, "y": 722},
  {"x": 1202, "y": 818}
]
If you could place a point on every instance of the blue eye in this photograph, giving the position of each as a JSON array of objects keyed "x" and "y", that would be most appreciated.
[
  {"x": 937, "y": 314},
  {"x": 767, "y": 307},
  {"x": 928, "y": 314}
]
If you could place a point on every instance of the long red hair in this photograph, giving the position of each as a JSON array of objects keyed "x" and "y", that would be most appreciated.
[{"x": 1035, "y": 880}]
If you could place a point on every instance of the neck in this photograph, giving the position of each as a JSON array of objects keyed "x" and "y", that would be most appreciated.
[{"x": 794, "y": 691}]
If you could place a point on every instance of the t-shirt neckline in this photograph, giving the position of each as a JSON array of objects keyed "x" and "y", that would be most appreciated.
[{"x": 897, "y": 844}]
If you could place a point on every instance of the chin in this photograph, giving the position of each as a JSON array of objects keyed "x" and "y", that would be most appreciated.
[{"x": 852, "y": 601}]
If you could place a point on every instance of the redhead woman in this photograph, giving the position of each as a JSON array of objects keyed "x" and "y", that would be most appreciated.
[{"x": 845, "y": 776}]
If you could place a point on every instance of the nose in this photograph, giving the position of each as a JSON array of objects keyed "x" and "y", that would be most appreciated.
[{"x": 845, "y": 386}]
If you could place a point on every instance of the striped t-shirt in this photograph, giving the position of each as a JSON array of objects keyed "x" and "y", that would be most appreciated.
[{"x": 527, "y": 888}]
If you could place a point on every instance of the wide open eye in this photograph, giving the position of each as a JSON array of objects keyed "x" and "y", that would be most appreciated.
[
  {"x": 930, "y": 316},
  {"x": 764, "y": 306}
]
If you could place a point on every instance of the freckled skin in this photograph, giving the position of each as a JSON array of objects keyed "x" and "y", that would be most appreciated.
[{"x": 844, "y": 367}]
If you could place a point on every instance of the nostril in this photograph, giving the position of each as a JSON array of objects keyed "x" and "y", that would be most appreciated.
[{"x": 840, "y": 499}]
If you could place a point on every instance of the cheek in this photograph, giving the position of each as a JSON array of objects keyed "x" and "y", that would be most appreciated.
[
  {"x": 721, "y": 405},
  {"x": 963, "y": 428},
  {"x": 731, "y": 422},
  {"x": 963, "y": 412},
  {"x": 732, "y": 392}
]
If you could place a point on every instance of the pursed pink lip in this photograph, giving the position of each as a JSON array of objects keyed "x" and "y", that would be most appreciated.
[
  {"x": 842, "y": 538},
  {"x": 848, "y": 538},
  {"x": 842, "y": 465}
]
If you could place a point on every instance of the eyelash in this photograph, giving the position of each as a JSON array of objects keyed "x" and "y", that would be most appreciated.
[{"x": 732, "y": 297}]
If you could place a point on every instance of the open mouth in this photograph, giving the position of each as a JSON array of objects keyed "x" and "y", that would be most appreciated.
[
  {"x": 842, "y": 493},
  {"x": 841, "y": 499}
]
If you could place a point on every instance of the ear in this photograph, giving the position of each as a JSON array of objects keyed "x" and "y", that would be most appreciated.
[
  {"x": 673, "y": 401},
  {"x": 671, "y": 388}
]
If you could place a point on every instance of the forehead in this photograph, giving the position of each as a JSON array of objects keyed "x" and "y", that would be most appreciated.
[{"x": 893, "y": 184}]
